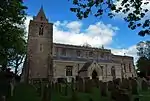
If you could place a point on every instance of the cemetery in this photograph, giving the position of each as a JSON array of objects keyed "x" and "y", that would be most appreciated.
[{"x": 132, "y": 89}]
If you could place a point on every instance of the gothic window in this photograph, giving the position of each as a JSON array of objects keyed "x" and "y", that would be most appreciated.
[
  {"x": 41, "y": 30},
  {"x": 101, "y": 70},
  {"x": 78, "y": 53},
  {"x": 41, "y": 18},
  {"x": 63, "y": 52},
  {"x": 113, "y": 73},
  {"x": 90, "y": 54},
  {"x": 56, "y": 51},
  {"x": 69, "y": 70},
  {"x": 129, "y": 67},
  {"x": 102, "y": 55},
  {"x": 41, "y": 47},
  {"x": 125, "y": 67}
]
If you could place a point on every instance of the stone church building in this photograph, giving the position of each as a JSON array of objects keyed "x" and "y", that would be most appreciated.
[{"x": 46, "y": 59}]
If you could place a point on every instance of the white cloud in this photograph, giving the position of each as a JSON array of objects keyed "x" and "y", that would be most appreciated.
[
  {"x": 96, "y": 35},
  {"x": 27, "y": 21},
  {"x": 131, "y": 51}
]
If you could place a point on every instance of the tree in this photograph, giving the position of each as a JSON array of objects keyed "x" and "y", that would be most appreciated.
[
  {"x": 143, "y": 62},
  {"x": 134, "y": 10},
  {"x": 143, "y": 65},
  {"x": 18, "y": 56},
  {"x": 12, "y": 16},
  {"x": 143, "y": 49}
]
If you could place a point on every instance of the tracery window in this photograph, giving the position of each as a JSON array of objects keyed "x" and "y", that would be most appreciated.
[
  {"x": 78, "y": 53},
  {"x": 69, "y": 70},
  {"x": 41, "y": 30},
  {"x": 129, "y": 67},
  {"x": 90, "y": 54},
  {"x": 113, "y": 73}
]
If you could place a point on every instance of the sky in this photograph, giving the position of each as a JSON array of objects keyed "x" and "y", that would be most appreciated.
[{"x": 68, "y": 29}]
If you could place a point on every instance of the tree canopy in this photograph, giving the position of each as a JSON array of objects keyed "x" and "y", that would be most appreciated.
[
  {"x": 134, "y": 10},
  {"x": 143, "y": 62},
  {"x": 12, "y": 34}
]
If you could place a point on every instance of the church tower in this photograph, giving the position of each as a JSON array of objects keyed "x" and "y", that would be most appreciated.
[{"x": 39, "y": 50}]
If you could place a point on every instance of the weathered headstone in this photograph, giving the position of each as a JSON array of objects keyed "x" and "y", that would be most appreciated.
[
  {"x": 144, "y": 85},
  {"x": 110, "y": 85},
  {"x": 103, "y": 88},
  {"x": 66, "y": 89},
  {"x": 72, "y": 85},
  {"x": 80, "y": 85},
  {"x": 88, "y": 86},
  {"x": 134, "y": 86},
  {"x": 120, "y": 95},
  {"x": 125, "y": 84}
]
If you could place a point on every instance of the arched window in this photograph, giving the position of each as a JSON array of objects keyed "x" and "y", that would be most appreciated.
[
  {"x": 69, "y": 70},
  {"x": 130, "y": 67},
  {"x": 113, "y": 73},
  {"x": 91, "y": 54},
  {"x": 41, "y": 30},
  {"x": 41, "y": 18},
  {"x": 41, "y": 47},
  {"x": 124, "y": 67}
]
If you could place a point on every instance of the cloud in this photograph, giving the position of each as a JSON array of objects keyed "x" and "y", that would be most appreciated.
[
  {"x": 26, "y": 23},
  {"x": 96, "y": 34},
  {"x": 130, "y": 51}
]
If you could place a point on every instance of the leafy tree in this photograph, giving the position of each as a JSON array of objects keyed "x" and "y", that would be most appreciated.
[
  {"x": 143, "y": 65},
  {"x": 18, "y": 56},
  {"x": 143, "y": 48},
  {"x": 12, "y": 35},
  {"x": 133, "y": 9},
  {"x": 143, "y": 62}
]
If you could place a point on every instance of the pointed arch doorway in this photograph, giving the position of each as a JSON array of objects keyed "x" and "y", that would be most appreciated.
[{"x": 94, "y": 74}]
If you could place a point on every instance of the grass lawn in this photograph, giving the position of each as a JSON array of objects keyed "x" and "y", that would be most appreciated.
[{"x": 25, "y": 92}]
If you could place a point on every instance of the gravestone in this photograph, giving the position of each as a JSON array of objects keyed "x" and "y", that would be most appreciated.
[
  {"x": 66, "y": 89},
  {"x": 103, "y": 88},
  {"x": 134, "y": 86},
  {"x": 72, "y": 85},
  {"x": 110, "y": 85},
  {"x": 144, "y": 85},
  {"x": 125, "y": 84},
  {"x": 117, "y": 81},
  {"x": 88, "y": 86},
  {"x": 120, "y": 95},
  {"x": 80, "y": 85}
]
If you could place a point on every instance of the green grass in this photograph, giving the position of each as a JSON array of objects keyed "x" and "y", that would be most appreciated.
[{"x": 25, "y": 92}]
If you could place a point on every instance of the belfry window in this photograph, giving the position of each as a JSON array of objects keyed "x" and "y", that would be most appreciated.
[
  {"x": 41, "y": 30},
  {"x": 41, "y": 18}
]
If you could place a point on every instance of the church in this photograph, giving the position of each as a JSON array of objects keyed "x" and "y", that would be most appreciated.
[{"x": 48, "y": 60}]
